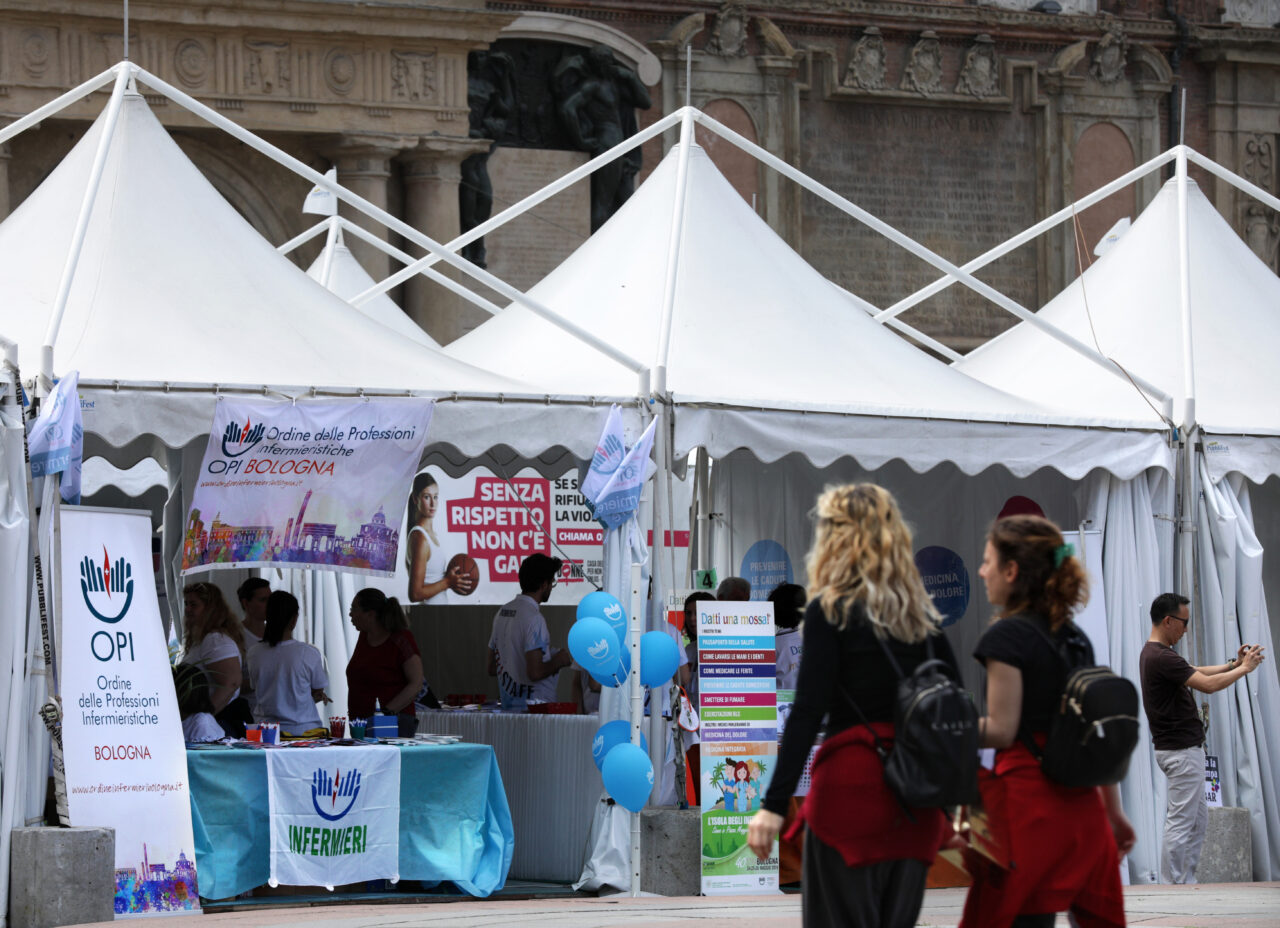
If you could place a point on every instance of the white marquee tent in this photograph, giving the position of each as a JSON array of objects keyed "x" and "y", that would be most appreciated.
[
  {"x": 1200, "y": 318},
  {"x": 758, "y": 357}
]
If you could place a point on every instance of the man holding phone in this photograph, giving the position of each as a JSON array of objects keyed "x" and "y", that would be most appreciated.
[{"x": 1176, "y": 730}]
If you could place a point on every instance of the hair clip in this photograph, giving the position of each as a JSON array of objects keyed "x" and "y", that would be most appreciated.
[{"x": 1061, "y": 553}]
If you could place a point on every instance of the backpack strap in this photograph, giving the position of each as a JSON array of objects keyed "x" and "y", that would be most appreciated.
[{"x": 1025, "y": 737}]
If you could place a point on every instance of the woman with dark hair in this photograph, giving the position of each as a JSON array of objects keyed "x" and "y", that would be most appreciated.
[
  {"x": 430, "y": 580},
  {"x": 1063, "y": 843},
  {"x": 865, "y": 856},
  {"x": 385, "y": 669},
  {"x": 214, "y": 641},
  {"x": 288, "y": 675}
]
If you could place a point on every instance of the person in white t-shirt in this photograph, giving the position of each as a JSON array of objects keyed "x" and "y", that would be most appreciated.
[
  {"x": 191, "y": 685},
  {"x": 788, "y": 609},
  {"x": 520, "y": 652},
  {"x": 253, "y": 595},
  {"x": 213, "y": 640},
  {"x": 288, "y": 675}
]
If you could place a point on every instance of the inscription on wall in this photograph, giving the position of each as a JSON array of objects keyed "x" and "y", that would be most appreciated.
[{"x": 959, "y": 203}]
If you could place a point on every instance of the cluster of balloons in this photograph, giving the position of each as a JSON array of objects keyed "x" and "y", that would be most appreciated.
[{"x": 598, "y": 642}]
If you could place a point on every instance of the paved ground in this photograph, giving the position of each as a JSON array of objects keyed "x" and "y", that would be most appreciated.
[{"x": 1224, "y": 905}]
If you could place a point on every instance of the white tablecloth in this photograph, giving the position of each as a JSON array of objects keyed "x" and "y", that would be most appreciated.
[{"x": 551, "y": 781}]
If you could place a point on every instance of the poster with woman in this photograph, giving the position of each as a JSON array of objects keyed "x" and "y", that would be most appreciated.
[{"x": 440, "y": 572}]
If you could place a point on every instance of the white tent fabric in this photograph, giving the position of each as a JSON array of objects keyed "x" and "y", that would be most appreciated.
[
  {"x": 348, "y": 279},
  {"x": 15, "y": 532},
  {"x": 1130, "y": 298},
  {"x": 174, "y": 289},
  {"x": 1135, "y": 519},
  {"x": 754, "y": 327},
  {"x": 1234, "y": 611}
]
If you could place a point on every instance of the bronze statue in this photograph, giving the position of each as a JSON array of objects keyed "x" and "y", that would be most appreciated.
[
  {"x": 491, "y": 96},
  {"x": 598, "y": 99}
]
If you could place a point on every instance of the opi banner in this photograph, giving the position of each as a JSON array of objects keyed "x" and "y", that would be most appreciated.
[
  {"x": 121, "y": 734},
  {"x": 304, "y": 484}
]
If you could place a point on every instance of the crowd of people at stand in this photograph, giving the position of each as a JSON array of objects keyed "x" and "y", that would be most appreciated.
[
  {"x": 234, "y": 673},
  {"x": 844, "y": 653}
]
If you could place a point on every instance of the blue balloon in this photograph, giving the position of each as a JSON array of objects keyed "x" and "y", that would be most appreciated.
[
  {"x": 602, "y": 605},
  {"x": 594, "y": 646},
  {"x": 615, "y": 675},
  {"x": 659, "y": 658},
  {"x": 628, "y": 776},
  {"x": 609, "y": 736}
]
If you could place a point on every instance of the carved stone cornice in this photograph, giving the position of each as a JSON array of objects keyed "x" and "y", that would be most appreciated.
[{"x": 305, "y": 65}]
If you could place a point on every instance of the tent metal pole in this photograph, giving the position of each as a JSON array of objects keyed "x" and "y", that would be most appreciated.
[
  {"x": 702, "y": 487},
  {"x": 637, "y": 706},
  {"x": 674, "y": 248},
  {"x": 330, "y": 242},
  {"x": 908, "y": 330},
  {"x": 35, "y": 117},
  {"x": 1184, "y": 297},
  {"x": 920, "y": 251},
  {"x": 391, "y": 222},
  {"x": 1023, "y": 237},
  {"x": 528, "y": 203},
  {"x": 430, "y": 273},
  {"x": 299, "y": 240},
  {"x": 658, "y": 699},
  {"x": 82, "y": 227},
  {"x": 1235, "y": 180}
]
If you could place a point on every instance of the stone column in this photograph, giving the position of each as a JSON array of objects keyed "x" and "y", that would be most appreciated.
[
  {"x": 432, "y": 172},
  {"x": 364, "y": 167}
]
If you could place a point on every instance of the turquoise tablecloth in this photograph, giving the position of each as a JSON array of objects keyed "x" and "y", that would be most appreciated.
[{"x": 454, "y": 820}]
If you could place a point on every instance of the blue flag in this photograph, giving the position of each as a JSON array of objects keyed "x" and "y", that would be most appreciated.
[
  {"x": 621, "y": 495},
  {"x": 609, "y": 454},
  {"x": 56, "y": 439}
]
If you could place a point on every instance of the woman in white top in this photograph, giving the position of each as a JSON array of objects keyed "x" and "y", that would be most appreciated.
[
  {"x": 288, "y": 675},
  {"x": 427, "y": 557},
  {"x": 214, "y": 642}
]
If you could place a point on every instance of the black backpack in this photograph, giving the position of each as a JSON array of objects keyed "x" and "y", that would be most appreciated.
[
  {"x": 1095, "y": 727},
  {"x": 934, "y": 759}
]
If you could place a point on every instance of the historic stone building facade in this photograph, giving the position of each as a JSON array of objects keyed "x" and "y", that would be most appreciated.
[{"x": 959, "y": 122}]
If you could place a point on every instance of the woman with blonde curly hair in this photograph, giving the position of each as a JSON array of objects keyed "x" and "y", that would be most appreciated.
[
  {"x": 865, "y": 856},
  {"x": 214, "y": 641},
  {"x": 1036, "y": 583}
]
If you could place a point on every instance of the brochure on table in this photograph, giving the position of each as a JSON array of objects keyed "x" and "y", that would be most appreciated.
[{"x": 737, "y": 692}]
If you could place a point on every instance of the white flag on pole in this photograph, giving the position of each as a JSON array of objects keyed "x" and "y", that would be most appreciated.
[
  {"x": 320, "y": 201},
  {"x": 610, "y": 451}
]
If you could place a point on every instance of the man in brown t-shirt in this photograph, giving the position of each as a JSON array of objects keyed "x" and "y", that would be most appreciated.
[{"x": 1176, "y": 731}]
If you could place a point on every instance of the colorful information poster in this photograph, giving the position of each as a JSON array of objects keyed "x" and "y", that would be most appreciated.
[
  {"x": 737, "y": 694},
  {"x": 125, "y": 760},
  {"x": 299, "y": 484}
]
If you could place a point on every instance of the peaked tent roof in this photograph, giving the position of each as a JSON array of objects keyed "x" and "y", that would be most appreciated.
[
  {"x": 1130, "y": 298},
  {"x": 177, "y": 299},
  {"x": 347, "y": 278},
  {"x": 760, "y": 336},
  {"x": 174, "y": 287}
]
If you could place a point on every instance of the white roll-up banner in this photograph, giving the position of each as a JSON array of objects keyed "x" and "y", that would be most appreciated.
[{"x": 122, "y": 739}]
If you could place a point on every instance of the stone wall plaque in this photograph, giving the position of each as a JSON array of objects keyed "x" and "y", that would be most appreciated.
[
  {"x": 885, "y": 159},
  {"x": 524, "y": 250}
]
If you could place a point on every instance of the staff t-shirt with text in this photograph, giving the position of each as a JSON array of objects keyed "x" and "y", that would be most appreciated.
[{"x": 517, "y": 629}]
